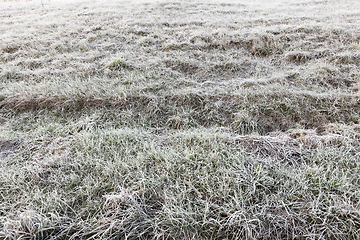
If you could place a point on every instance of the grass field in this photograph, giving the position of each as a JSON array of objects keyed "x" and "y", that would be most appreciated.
[{"x": 180, "y": 119}]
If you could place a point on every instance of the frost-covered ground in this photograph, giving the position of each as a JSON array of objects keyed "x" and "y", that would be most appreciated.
[{"x": 179, "y": 119}]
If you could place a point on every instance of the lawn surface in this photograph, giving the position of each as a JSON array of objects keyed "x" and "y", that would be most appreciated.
[{"x": 180, "y": 119}]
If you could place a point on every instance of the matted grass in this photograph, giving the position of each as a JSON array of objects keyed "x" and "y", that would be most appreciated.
[{"x": 179, "y": 120}]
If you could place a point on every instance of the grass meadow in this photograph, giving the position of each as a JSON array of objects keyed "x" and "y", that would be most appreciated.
[{"x": 180, "y": 119}]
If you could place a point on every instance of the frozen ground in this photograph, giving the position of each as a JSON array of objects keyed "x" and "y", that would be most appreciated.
[{"x": 179, "y": 119}]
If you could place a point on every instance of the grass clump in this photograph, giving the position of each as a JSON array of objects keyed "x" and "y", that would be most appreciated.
[{"x": 119, "y": 64}]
